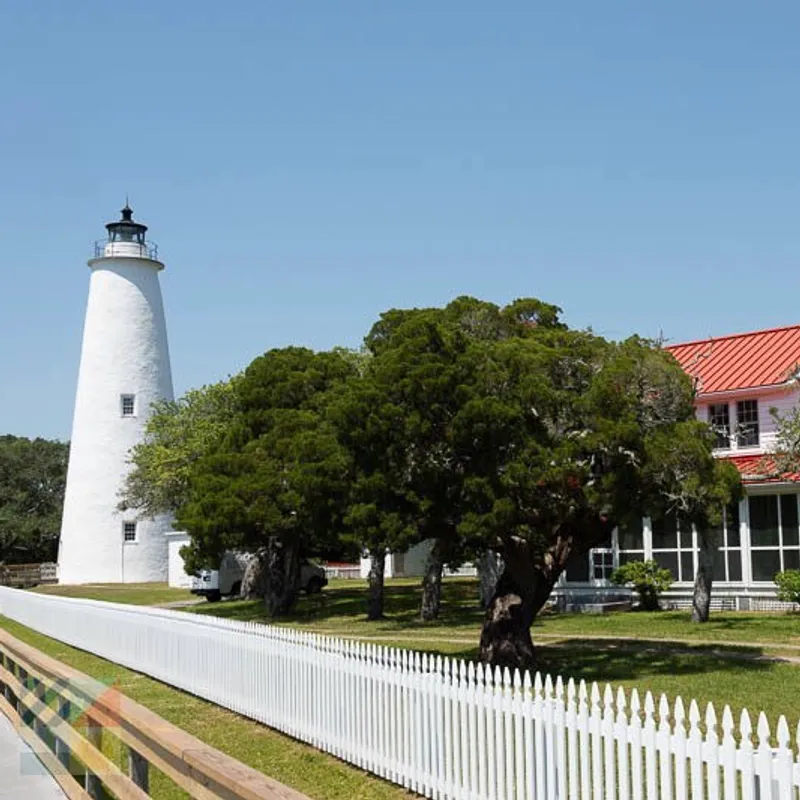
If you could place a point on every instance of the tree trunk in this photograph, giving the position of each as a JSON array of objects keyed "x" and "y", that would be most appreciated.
[
  {"x": 376, "y": 568},
  {"x": 254, "y": 580},
  {"x": 701, "y": 601},
  {"x": 432, "y": 583},
  {"x": 528, "y": 578},
  {"x": 490, "y": 567},
  {"x": 282, "y": 571},
  {"x": 506, "y": 634}
]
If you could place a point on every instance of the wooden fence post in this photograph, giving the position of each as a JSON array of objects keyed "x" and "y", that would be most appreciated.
[
  {"x": 4, "y": 662},
  {"x": 22, "y": 676},
  {"x": 138, "y": 770},
  {"x": 62, "y": 750},
  {"x": 93, "y": 784},
  {"x": 39, "y": 691}
]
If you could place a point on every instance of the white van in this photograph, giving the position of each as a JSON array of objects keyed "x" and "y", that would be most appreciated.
[{"x": 227, "y": 581}]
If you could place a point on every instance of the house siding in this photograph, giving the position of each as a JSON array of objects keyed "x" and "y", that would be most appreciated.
[{"x": 781, "y": 400}]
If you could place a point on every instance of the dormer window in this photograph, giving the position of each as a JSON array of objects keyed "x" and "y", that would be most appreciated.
[
  {"x": 719, "y": 418},
  {"x": 747, "y": 423}
]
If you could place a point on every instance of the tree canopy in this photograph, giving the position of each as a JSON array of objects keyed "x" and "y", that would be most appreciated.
[
  {"x": 483, "y": 428},
  {"x": 785, "y": 457},
  {"x": 178, "y": 433},
  {"x": 274, "y": 483},
  {"x": 502, "y": 429},
  {"x": 33, "y": 475}
]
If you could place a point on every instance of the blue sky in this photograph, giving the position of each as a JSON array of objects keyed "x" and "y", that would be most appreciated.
[{"x": 305, "y": 166}]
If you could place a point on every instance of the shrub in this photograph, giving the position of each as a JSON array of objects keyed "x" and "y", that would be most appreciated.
[
  {"x": 646, "y": 578},
  {"x": 788, "y": 583}
]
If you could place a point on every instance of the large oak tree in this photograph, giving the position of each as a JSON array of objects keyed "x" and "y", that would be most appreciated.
[
  {"x": 397, "y": 421},
  {"x": 578, "y": 427},
  {"x": 502, "y": 429}
]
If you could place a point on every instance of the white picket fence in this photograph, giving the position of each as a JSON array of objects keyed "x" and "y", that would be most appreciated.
[{"x": 438, "y": 726}]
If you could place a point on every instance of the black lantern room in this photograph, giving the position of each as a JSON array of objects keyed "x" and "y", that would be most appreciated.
[{"x": 126, "y": 230}]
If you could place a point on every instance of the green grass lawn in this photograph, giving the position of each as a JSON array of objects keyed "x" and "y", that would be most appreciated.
[
  {"x": 314, "y": 773},
  {"x": 340, "y": 610},
  {"x": 137, "y": 594}
]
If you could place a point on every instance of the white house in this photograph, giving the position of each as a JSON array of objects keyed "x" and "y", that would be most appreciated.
[
  {"x": 739, "y": 379},
  {"x": 408, "y": 564}
]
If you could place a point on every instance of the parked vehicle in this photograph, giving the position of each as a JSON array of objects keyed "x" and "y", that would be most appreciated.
[{"x": 227, "y": 580}]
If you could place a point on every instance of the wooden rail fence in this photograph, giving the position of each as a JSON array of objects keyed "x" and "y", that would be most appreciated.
[
  {"x": 64, "y": 715},
  {"x": 23, "y": 576}
]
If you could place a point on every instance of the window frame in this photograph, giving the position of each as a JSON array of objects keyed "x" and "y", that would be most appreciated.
[
  {"x": 606, "y": 565},
  {"x": 124, "y": 399},
  {"x": 626, "y": 554},
  {"x": 730, "y": 551},
  {"x": 720, "y": 428},
  {"x": 685, "y": 542},
  {"x": 780, "y": 546},
  {"x": 749, "y": 428},
  {"x": 126, "y": 526}
]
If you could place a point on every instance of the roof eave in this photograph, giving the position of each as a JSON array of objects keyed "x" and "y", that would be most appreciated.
[
  {"x": 762, "y": 388},
  {"x": 763, "y": 480}
]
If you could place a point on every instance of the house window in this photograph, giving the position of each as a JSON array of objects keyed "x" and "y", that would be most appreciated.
[
  {"x": 727, "y": 564},
  {"x": 602, "y": 564},
  {"x": 128, "y": 405},
  {"x": 630, "y": 537},
  {"x": 596, "y": 565},
  {"x": 719, "y": 419},
  {"x": 129, "y": 531},
  {"x": 673, "y": 547},
  {"x": 747, "y": 423},
  {"x": 774, "y": 541}
]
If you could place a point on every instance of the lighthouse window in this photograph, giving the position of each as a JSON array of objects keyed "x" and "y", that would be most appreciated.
[
  {"x": 129, "y": 531},
  {"x": 128, "y": 405}
]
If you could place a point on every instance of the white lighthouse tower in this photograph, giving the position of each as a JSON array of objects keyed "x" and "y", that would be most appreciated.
[{"x": 124, "y": 368}]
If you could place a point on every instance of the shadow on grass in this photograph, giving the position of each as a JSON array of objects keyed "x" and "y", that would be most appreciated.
[
  {"x": 343, "y": 603},
  {"x": 615, "y": 662},
  {"x": 623, "y": 661}
]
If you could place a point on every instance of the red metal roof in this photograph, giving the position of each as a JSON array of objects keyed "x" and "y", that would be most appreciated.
[
  {"x": 754, "y": 471},
  {"x": 741, "y": 361}
]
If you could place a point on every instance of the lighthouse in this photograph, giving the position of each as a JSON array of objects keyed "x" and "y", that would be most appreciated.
[{"x": 124, "y": 368}]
